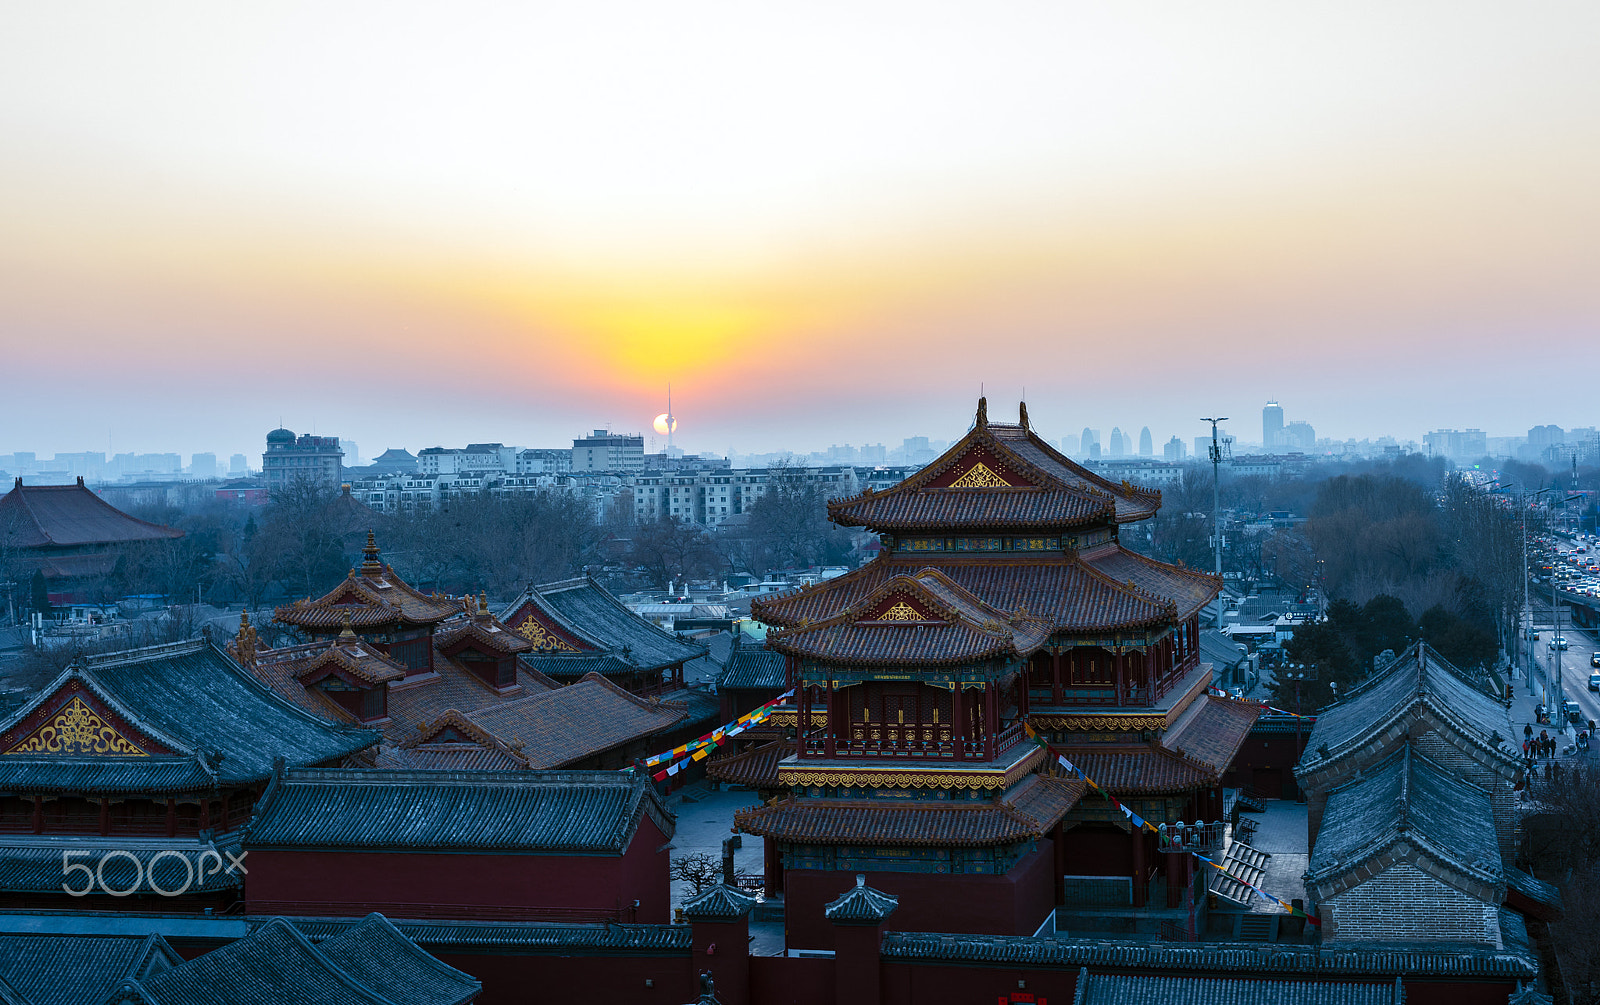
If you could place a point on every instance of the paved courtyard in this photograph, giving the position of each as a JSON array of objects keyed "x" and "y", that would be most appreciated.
[{"x": 1281, "y": 832}]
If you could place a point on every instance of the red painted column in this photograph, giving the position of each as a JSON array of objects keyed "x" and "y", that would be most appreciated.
[
  {"x": 963, "y": 716},
  {"x": 803, "y": 717},
  {"x": 172, "y": 817},
  {"x": 830, "y": 744},
  {"x": 38, "y": 814},
  {"x": 105, "y": 816},
  {"x": 1055, "y": 676},
  {"x": 1122, "y": 683},
  {"x": 1022, "y": 692},
  {"x": 772, "y": 866},
  {"x": 991, "y": 719}
]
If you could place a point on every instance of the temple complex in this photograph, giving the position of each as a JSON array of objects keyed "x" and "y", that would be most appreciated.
[
  {"x": 452, "y": 687},
  {"x": 1001, "y": 596},
  {"x": 146, "y": 765}
]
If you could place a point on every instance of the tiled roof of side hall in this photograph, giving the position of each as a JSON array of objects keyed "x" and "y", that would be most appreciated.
[
  {"x": 756, "y": 768},
  {"x": 43, "y": 516},
  {"x": 998, "y": 476},
  {"x": 576, "y": 812},
  {"x": 1062, "y": 589},
  {"x": 78, "y": 969},
  {"x": 202, "y": 719},
  {"x": 1385, "y": 959},
  {"x": 587, "y": 611},
  {"x": 570, "y": 723},
  {"x": 1407, "y": 797},
  {"x": 1213, "y": 730},
  {"x": 1029, "y": 810},
  {"x": 1419, "y": 677},
  {"x": 1142, "y": 989},
  {"x": 1140, "y": 769},
  {"x": 753, "y": 669},
  {"x": 381, "y": 957}
]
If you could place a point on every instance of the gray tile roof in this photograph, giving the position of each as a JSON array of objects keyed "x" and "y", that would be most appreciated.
[
  {"x": 1407, "y": 797},
  {"x": 381, "y": 957},
  {"x": 575, "y": 665},
  {"x": 32, "y": 863},
  {"x": 861, "y": 905},
  {"x": 1545, "y": 897},
  {"x": 1131, "y": 989},
  {"x": 589, "y": 611},
  {"x": 719, "y": 903},
  {"x": 274, "y": 965},
  {"x": 74, "y": 969},
  {"x": 1419, "y": 676},
  {"x": 225, "y": 727},
  {"x": 1386, "y": 960},
  {"x": 525, "y": 937},
  {"x": 753, "y": 669},
  {"x": 1219, "y": 650},
  {"x": 576, "y": 812}
]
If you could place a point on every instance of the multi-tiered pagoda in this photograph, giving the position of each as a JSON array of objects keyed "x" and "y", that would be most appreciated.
[{"x": 1001, "y": 596}]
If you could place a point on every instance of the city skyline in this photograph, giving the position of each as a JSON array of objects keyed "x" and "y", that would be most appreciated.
[{"x": 532, "y": 221}]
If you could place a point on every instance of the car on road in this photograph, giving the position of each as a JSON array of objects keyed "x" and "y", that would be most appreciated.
[
  {"x": 1571, "y": 712},
  {"x": 1558, "y": 642},
  {"x": 1531, "y": 634},
  {"x": 1594, "y": 682},
  {"x": 1594, "y": 659}
]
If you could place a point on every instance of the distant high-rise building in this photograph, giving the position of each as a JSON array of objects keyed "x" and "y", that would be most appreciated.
[
  {"x": 1090, "y": 443},
  {"x": 607, "y": 451},
  {"x": 289, "y": 459},
  {"x": 1147, "y": 446},
  {"x": 352, "y": 453},
  {"x": 1272, "y": 426},
  {"x": 1174, "y": 450},
  {"x": 1299, "y": 436},
  {"x": 203, "y": 465},
  {"x": 238, "y": 464},
  {"x": 1117, "y": 447}
]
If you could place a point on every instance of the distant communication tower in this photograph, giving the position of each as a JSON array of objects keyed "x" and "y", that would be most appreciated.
[
  {"x": 666, "y": 422},
  {"x": 1218, "y": 449}
]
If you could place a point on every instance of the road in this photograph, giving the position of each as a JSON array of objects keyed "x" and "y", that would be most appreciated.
[{"x": 1575, "y": 668}]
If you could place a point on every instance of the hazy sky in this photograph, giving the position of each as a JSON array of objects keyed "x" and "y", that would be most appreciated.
[{"x": 416, "y": 224}]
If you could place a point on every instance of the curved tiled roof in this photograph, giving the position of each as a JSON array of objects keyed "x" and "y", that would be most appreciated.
[
  {"x": 44, "y": 516},
  {"x": 355, "y": 658},
  {"x": 370, "y": 596},
  {"x": 579, "y": 812},
  {"x": 752, "y": 669},
  {"x": 1063, "y": 590},
  {"x": 1213, "y": 730},
  {"x": 32, "y": 863},
  {"x": 380, "y": 956},
  {"x": 756, "y": 768},
  {"x": 1419, "y": 677},
  {"x": 1045, "y": 490},
  {"x": 1407, "y": 797},
  {"x": 1146, "y": 989},
  {"x": 1188, "y": 589},
  {"x": 77, "y": 969},
  {"x": 485, "y": 632},
  {"x": 861, "y": 905},
  {"x": 587, "y": 611},
  {"x": 1029, "y": 810},
  {"x": 224, "y": 726},
  {"x": 573, "y": 722},
  {"x": 719, "y": 903},
  {"x": 1140, "y": 769}
]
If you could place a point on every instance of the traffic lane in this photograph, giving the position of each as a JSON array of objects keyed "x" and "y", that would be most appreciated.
[{"x": 1575, "y": 669}]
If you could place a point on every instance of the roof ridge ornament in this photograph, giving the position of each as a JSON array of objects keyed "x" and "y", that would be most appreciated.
[
  {"x": 982, "y": 419},
  {"x": 1022, "y": 414},
  {"x": 372, "y": 565}
]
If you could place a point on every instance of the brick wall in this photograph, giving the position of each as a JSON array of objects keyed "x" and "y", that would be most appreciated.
[{"x": 1403, "y": 902}]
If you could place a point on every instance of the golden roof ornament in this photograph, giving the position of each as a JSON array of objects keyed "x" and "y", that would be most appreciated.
[
  {"x": 483, "y": 603},
  {"x": 346, "y": 631},
  {"x": 372, "y": 565}
]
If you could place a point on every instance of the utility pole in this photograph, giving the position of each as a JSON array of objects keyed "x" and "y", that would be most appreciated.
[{"x": 1216, "y": 503}]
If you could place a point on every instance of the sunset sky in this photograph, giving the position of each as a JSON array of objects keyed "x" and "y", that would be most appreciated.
[{"x": 426, "y": 224}]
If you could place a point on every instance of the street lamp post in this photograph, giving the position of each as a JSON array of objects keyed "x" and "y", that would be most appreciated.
[{"x": 1216, "y": 503}]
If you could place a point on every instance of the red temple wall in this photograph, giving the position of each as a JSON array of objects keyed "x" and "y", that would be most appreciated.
[
  {"x": 912, "y": 984},
  {"x": 432, "y": 885},
  {"x": 1013, "y": 904},
  {"x": 1266, "y": 762},
  {"x": 1098, "y": 851},
  {"x": 785, "y": 980}
]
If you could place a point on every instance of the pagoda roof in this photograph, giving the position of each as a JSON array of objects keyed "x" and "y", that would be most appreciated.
[
  {"x": 580, "y": 616},
  {"x": 45, "y": 516},
  {"x": 1211, "y": 731},
  {"x": 351, "y": 658},
  {"x": 75, "y": 969},
  {"x": 998, "y": 476},
  {"x": 576, "y": 812},
  {"x": 1104, "y": 589},
  {"x": 372, "y": 596},
  {"x": 1419, "y": 680},
  {"x": 482, "y": 632},
  {"x": 756, "y": 768},
  {"x": 173, "y": 718},
  {"x": 923, "y": 618},
  {"x": 1028, "y": 810},
  {"x": 861, "y": 905}
]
